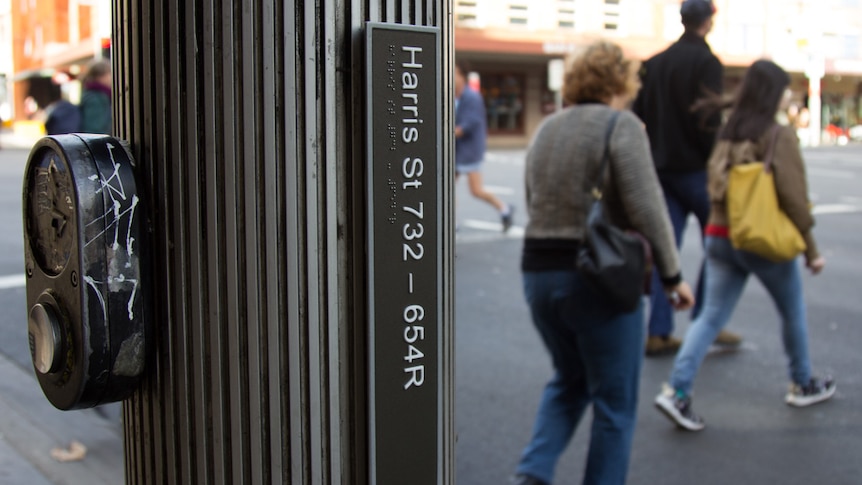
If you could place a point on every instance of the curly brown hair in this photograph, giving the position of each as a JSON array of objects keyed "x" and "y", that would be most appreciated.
[{"x": 600, "y": 72}]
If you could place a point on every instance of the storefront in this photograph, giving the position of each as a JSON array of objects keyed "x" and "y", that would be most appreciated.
[
  {"x": 513, "y": 77},
  {"x": 516, "y": 98}
]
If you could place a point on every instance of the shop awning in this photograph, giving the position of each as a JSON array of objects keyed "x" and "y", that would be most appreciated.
[{"x": 33, "y": 73}]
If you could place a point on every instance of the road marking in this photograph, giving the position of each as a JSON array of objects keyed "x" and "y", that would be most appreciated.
[
  {"x": 492, "y": 226},
  {"x": 500, "y": 190},
  {"x": 12, "y": 281},
  {"x": 720, "y": 350},
  {"x": 517, "y": 232},
  {"x": 835, "y": 209},
  {"x": 482, "y": 237},
  {"x": 485, "y": 228},
  {"x": 507, "y": 158}
]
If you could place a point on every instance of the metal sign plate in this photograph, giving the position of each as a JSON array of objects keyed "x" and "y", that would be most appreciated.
[{"x": 404, "y": 123}]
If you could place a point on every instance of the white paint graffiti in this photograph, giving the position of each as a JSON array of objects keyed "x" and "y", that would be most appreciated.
[
  {"x": 134, "y": 283},
  {"x": 111, "y": 283},
  {"x": 113, "y": 186},
  {"x": 116, "y": 220},
  {"x": 90, "y": 281}
]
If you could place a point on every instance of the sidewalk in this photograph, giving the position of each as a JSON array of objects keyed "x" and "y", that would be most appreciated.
[{"x": 30, "y": 427}]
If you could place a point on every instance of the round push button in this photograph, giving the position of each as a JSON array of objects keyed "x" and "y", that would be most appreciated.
[{"x": 45, "y": 339}]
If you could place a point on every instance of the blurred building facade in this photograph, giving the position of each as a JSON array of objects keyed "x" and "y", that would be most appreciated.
[
  {"x": 510, "y": 43},
  {"x": 48, "y": 41},
  {"x": 6, "y": 65}
]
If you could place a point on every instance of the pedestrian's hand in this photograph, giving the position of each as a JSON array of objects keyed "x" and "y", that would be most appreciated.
[
  {"x": 458, "y": 132},
  {"x": 816, "y": 265},
  {"x": 680, "y": 296}
]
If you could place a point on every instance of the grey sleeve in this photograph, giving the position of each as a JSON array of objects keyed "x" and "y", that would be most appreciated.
[{"x": 637, "y": 186}]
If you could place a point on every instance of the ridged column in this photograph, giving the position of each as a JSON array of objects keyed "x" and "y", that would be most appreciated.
[{"x": 247, "y": 122}]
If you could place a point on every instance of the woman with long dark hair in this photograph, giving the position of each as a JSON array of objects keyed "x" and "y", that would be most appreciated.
[{"x": 746, "y": 137}]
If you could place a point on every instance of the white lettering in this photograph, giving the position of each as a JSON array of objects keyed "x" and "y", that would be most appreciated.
[
  {"x": 417, "y": 376},
  {"x": 409, "y": 135},
  {"x": 409, "y": 80},
  {"x": 412, "y": 50},
  {"x": 414, "y": 110},
  {"x": 412, "y": 168}
]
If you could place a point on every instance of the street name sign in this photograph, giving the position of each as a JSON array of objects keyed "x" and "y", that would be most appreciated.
[{"x": 404, "y": 129}]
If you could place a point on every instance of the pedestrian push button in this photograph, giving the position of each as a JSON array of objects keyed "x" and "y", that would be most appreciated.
[{"x": 84, "y": 254}]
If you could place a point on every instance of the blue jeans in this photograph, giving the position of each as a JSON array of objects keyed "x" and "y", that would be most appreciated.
[
  {"x": 685, "y": 193},
  {"x": 596, "y": 353},
  {"x": 726, "y": 274}
]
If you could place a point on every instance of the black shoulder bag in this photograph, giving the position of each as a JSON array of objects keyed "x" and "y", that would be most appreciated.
[{"x": 615, "y": 261}]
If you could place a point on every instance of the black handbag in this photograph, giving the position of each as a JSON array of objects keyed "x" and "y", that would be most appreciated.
[{"x": 614, "y": 260}]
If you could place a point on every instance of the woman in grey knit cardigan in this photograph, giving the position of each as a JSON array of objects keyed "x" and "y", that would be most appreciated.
[{"x": 596, "y": 348}]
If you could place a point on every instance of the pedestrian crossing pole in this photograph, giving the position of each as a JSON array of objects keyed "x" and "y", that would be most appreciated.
[{"x": 294, "y": 165}]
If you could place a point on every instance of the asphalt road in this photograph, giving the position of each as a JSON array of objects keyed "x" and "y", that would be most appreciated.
[
  {"x": 752, "y": 437},
  {"x": 501, "y": 367},
  {"x": 13, "y": 320}
]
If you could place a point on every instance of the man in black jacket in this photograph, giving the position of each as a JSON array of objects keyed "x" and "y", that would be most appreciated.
[{"x": 681, "y": 140}]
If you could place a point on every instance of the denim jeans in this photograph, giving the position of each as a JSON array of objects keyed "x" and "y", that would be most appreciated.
[
  {"x": 596, "y": 353},
  {"x": 727, "y": 271},
  {"x": 685, "y": 193}
]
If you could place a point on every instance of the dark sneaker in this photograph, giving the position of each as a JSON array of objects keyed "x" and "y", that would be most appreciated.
[
  {"x": 656, "y": 345},
  {"x": 527, "y": 480},
  {"x": 815, "y": 391},
  {"x": 677, "y": 407},
  {"x": 728, "y": 339},
  {"x": 507, "y": 219}
]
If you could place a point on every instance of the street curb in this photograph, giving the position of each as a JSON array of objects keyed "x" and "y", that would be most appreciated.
[{"x": 32, "y": 427}]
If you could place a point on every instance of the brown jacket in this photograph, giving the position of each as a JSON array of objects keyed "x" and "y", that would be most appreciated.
[{"x": 791, "y": 183}]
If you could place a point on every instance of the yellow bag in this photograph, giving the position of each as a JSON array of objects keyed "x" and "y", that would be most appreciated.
[{"x": 757, "y": 223}]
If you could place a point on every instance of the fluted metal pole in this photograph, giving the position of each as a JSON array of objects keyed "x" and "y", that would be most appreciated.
[{"x": 248, "y": 123}]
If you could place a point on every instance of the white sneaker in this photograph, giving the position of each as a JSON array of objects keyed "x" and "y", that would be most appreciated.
[
  {"x": 677, "y": 407},
  {"x": 814, "y": 392}
]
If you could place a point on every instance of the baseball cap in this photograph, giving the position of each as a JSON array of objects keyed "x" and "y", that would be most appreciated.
[{"x": 696, "y": 12}]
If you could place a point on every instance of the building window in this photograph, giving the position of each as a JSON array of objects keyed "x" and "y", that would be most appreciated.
[
  {"x": 566, "y": 14},
  {"x": 517, "y": 14},
  {"x": 504, "y": 95},
  {"x": 466, "y": 13},
  {"x": 612, "y": 15}
]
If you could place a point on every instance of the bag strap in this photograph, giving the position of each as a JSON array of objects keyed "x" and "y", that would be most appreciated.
[
  {"x": 606, "y": 154},
  {"x": 767, "y": 162}
]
